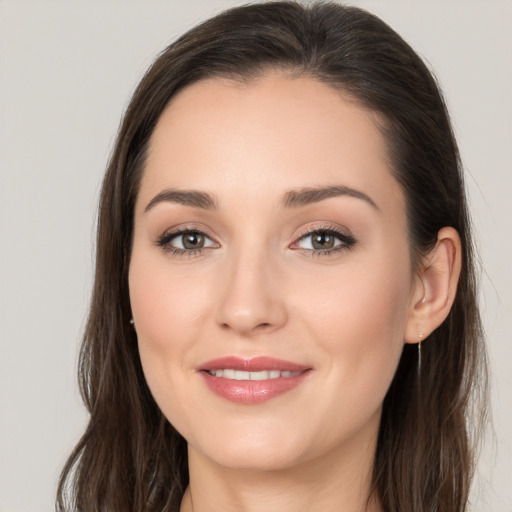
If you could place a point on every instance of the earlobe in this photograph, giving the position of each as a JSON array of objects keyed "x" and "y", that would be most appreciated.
[{"x": 437, "y": 286}]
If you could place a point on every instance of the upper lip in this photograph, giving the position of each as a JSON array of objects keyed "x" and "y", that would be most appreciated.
[{"x": 254, "y": 364}]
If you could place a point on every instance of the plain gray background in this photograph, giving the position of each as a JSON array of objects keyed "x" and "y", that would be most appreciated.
[{"x": 67, "y": 70}]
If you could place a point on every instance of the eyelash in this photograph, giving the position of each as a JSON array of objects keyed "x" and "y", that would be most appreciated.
[
  {"x": 165, "y": 240},
  {"x": 347, "y": 241}
]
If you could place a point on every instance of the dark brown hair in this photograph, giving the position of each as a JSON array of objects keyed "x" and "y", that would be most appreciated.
[{"x": 130, "y": 458}]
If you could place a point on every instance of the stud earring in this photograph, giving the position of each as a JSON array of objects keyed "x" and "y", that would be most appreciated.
[{"x": 132, "y": 321}]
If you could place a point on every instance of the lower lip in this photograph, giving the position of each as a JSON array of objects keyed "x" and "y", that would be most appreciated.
[{"x": 251, "y": 392}]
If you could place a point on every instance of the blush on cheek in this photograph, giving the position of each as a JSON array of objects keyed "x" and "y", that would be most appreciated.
[
  {"x": 362, "y": 327},
  {"x": 154, "y": 368},
  {"x": 160, "y": 374}
]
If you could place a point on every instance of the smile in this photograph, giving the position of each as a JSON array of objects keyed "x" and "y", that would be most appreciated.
[
  {"x": 245, "y": 375},
  {"x": 252, "y": 381}
]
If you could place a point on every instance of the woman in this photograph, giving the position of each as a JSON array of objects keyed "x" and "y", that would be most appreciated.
[{"x": 284, "y": 312}]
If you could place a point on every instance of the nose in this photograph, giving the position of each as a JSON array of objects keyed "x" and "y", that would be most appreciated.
[{"x": 251, "y": 300}]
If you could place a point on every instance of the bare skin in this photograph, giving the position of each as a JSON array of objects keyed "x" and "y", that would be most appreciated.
[{"x": 257, "y": 283}]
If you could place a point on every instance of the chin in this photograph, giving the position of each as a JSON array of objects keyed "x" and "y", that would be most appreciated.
[
  {"x": 257, "y": 460},
  {"x": 251, "y": 451}
]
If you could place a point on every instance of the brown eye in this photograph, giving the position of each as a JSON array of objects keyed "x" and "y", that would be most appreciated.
[
  {"x": 185, "y": 241},
  {"x": 322, "y": 240},
  {"x": 193, "y": 240}
]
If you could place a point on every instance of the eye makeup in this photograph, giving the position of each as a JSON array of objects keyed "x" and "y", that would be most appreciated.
[
  {"x": 189, "y": 241},
  {"x": 333, "y": 238},
  {"x": 188, "y": 236}
]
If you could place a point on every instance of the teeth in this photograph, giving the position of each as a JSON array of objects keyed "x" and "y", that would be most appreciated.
[
  {"x": 264, "y": 375},
  {"x": 227, "y": 373}
]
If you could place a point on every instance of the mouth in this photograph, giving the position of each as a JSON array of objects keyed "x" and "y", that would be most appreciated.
[
  {"x": 252, "y": 381},
  {"x": 229, "y": 373}
]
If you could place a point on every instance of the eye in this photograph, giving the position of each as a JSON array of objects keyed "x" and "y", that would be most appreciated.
[
  {"x": 323, "y": 241},
  {"x": 185, "y": 241}
]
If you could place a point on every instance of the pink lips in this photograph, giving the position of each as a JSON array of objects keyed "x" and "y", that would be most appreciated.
[{"x": 252, "y": 391}]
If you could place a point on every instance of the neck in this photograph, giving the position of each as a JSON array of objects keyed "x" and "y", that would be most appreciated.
[{"x": 339, "y": 481}]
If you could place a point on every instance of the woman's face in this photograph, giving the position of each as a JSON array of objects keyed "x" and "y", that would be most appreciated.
[{"x": 270, "y": 278}]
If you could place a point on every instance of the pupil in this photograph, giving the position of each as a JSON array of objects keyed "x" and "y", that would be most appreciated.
[
  {"x": 193, "y": 240},
  {"x": 323, "y": 241}
]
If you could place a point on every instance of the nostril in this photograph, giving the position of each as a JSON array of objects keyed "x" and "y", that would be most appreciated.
[{"x": 263, "y": 325}]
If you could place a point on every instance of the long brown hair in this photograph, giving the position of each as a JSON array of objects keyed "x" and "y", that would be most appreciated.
[{"x": 130, "y": 458}]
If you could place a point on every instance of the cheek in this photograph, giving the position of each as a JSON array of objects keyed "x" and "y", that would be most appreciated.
[
  {"x": 167, "y": 306},
  {"x": 358, "y": 318},
  {"x": 169, "y": 315}
]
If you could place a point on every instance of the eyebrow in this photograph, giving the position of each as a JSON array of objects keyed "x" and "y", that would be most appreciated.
[
  {"x": 291, "y": 199},
  {"x": 305, "y": 196},
  {"x": 193, "y": 198}
]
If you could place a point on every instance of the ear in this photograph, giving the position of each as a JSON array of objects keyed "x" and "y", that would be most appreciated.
[{"x": 435, "y": 288}]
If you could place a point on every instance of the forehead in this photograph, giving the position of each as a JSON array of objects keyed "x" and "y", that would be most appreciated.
[{"x": 274, "y": 133}]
